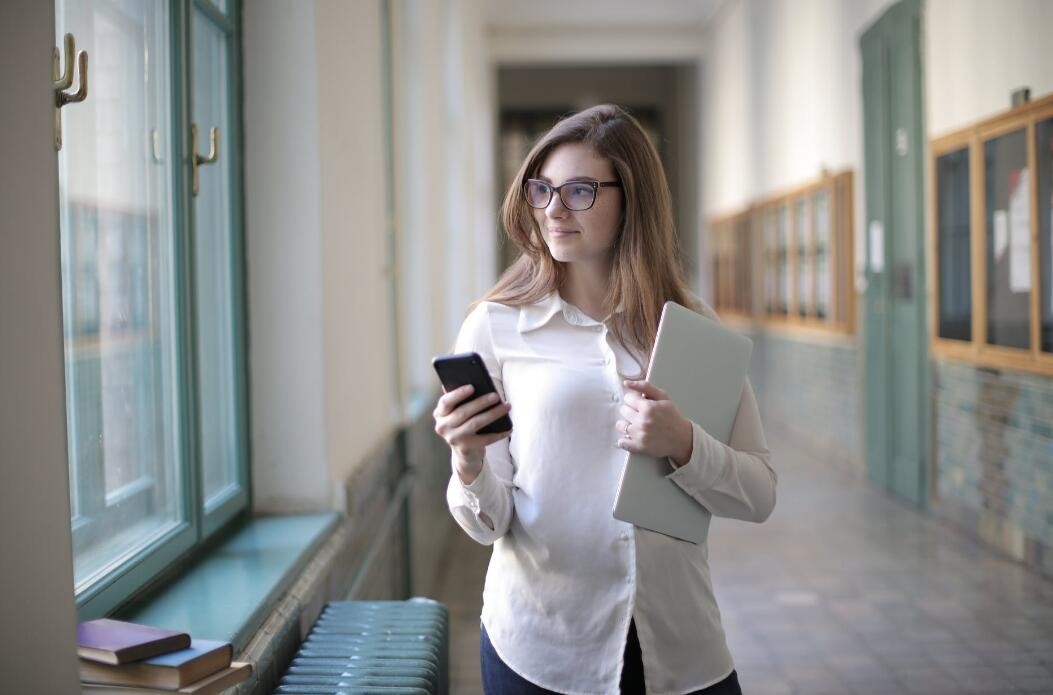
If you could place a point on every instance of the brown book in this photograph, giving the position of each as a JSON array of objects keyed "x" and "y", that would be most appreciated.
[
  {"x": 168, "y": 671},
  {"x": 209, "y": 685},
  {"x": 117, "y": 642}
]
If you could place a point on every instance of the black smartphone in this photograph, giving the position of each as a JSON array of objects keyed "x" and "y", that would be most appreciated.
[{"x": 465, "y": 368}]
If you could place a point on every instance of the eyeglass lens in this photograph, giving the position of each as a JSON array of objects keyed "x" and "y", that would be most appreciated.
[{"x": 575, "y": 196}]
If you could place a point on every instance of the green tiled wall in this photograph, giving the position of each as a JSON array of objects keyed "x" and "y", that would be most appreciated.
[
  {"x": 994, "y": 458},
  {"x": 812, "y": 388}
]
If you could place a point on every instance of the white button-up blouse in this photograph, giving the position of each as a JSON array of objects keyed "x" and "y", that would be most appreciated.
[{"x": 566, "y": 577}]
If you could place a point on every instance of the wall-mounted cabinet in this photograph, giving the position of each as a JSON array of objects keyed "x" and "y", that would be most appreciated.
[
  {"x": 991, "y": 251},
  {"x": 788, "y": 259}
]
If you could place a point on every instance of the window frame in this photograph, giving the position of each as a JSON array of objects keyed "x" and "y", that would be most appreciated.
[
  {"x": 138, "y": 570},
  {"x": 977, "y": 351},
  {"x": 758, "y": 298}
]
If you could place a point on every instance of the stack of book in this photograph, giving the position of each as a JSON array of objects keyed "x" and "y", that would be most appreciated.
[{"x": 126, "y": 658}]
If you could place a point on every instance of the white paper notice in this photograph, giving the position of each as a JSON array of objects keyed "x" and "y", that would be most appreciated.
[
  {"x": 877, "y": 247},
  {"x": 1001, "y": 233},
  {"x": 1020, "y": 235}
]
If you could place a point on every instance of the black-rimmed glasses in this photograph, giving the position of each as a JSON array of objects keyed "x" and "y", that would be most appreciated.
[{"x": 576, "y": 195}]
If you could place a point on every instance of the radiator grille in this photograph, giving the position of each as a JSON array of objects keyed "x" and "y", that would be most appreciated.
[{"x": 374, "y": 648}]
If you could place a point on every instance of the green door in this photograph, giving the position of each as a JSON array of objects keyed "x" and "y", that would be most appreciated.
[{"x": 896, "y": 347}]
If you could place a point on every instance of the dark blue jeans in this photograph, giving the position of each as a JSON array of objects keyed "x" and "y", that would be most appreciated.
[{"x": 498, "y": 679}]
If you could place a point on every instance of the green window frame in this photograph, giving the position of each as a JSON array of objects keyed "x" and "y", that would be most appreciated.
[{"x": 200, "y": 243}]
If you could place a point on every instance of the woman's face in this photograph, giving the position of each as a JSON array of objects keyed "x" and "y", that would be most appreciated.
[{"x": 588, "y": 235}]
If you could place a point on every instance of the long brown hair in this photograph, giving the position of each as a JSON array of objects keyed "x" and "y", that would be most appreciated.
[{"x": 646, "y": 270}]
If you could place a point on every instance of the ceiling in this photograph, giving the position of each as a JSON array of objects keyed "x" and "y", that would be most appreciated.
[{"x": 566, "y": 14}]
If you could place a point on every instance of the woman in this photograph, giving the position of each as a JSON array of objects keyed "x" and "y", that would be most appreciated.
[{"x": 575, "y": 600}]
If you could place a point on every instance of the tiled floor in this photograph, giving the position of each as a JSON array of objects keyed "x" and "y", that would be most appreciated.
[{"x": 843, "y": 590}]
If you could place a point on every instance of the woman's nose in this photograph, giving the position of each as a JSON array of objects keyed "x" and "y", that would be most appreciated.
[{"x": 555, "y": 206}]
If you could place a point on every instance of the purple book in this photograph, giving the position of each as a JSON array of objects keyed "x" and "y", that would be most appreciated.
[{"x": 116, "y": 642}]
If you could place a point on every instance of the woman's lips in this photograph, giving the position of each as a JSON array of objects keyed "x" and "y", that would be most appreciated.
[{"x": 556, "y": 233}]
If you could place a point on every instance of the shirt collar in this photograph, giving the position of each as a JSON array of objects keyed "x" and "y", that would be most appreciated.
[{"x": 536, "y": 315}]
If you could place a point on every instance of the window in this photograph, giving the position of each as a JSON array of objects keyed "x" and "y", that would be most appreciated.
[
  {"x": 991, "y": 236},
  {"x": 803, "y": 261},
  {"x": 151, "y": 287}
]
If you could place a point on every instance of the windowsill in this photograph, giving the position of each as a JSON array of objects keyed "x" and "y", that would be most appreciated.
[{"x": 227, "y": 594}]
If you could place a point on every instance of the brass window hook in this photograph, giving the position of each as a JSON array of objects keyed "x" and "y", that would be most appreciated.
[
  {"x": 62, "y": 80},
  {"x": 198, "y": 160}
]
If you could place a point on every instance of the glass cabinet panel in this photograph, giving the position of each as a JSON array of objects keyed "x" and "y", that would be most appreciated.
[
  {"x": 954, "y": 272},
  {"x": 782, "y": 259},
  {"x": 770, "y": 262},
  {"x": 822, "y": 253},
  {"x": 116, "y": 212},
  {"x": 741, "y": 248},
  {"x": 1008, "y": 240},
  {"x": 803, "y": 233},
  {"x": 1044, "y": 157}
]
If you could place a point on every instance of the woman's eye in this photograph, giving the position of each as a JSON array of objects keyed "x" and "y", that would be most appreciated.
[{"x": 581, "y": 191}]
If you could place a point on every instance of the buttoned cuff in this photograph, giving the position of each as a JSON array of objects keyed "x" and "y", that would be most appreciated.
[
  {"x": 703, "y": 469},
  {"x": 481, "y": 496}
]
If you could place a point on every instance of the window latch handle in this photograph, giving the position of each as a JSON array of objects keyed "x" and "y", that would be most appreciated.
[
  {"x": 61, "y": 80},
  {"x": 198, "y": 160}
]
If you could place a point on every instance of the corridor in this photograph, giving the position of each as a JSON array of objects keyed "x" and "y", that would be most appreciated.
[
  {"x": 228, "y": 266},
  {"x": 843, "y": 590}
]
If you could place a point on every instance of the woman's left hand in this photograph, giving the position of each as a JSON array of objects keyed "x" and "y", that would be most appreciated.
[{"x": 651, "y": 424}]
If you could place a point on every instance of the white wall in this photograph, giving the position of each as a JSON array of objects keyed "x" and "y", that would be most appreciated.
[
  {"x": 977, "y": 52},
  {"x": 37, "y": 633},
  {"x": 444, "y": 180},
  {"x": 284, "y": 256},
  {"x": 782, "y": 95},
  {"x": 781, "y": 99},
  {"x": 358, "y": 350},
  {"x": 319, "y": 315},
  {"x": 324, "y": 352}
]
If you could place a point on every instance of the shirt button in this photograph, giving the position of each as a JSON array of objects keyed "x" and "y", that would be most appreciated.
[
  {"x": 628, "y": 580},
  {"x": 615, "y": 397},
  {"x": 625, "y": 536}
]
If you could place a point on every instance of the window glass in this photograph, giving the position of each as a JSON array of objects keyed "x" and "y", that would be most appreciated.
[
  {"x": 954, "y": 273},
  {"x": 119, "y": 304},
  {"x": 214, "y": 262},
  {"x": 1008, "y": 236},
  {"x": 1044, "y": 156}
]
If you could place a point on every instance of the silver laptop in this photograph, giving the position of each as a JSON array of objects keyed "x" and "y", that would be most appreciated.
[{"x": 702, "y": 365}]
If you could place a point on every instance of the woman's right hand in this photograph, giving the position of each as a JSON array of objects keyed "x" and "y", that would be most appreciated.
[{"x": 457, "y": 420}]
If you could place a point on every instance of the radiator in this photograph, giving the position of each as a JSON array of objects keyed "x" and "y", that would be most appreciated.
[{"x": 374, "y": 648}]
